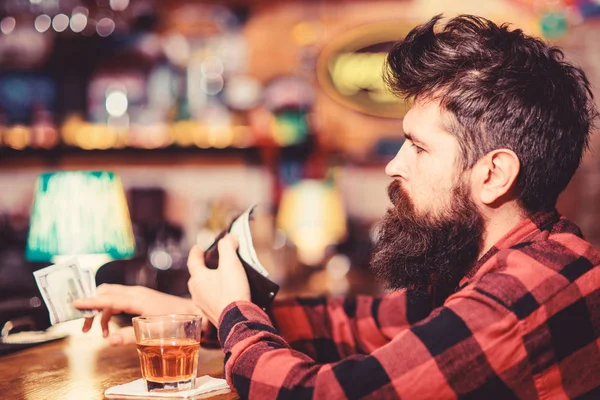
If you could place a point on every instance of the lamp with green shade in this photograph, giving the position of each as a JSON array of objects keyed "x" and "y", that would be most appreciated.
[{"x": 80, "y": 213}]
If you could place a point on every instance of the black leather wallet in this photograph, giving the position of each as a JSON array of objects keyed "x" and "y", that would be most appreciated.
[{"x": 262, "y": 289}]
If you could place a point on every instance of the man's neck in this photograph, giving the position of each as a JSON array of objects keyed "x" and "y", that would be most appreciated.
[{"x": 499, "y": 222}]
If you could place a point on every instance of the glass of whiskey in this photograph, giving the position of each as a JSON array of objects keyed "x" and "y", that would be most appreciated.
[{"x": 168, "y": 348}]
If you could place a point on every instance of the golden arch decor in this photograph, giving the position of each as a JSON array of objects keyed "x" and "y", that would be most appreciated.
[{"x": 350, "y": 69}]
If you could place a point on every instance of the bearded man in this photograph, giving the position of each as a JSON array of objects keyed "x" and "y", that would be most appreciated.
[{"x": 494, "y": 295}]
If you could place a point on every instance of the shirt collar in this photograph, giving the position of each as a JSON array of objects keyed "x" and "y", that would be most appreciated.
[{"x": 526, "y": 229}]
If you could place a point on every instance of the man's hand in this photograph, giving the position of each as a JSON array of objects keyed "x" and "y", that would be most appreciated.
[
  {"x": 138, "y": 300},
  {"x": 214, "y": 289}
]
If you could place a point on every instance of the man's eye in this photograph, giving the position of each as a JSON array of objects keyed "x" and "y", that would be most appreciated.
[{"x": 417, "y": 148}]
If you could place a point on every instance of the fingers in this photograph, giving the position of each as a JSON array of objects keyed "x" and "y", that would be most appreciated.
[
  {"x": 115, "y": 339},
  {"x": 228, "y": 251},
  {"x": 233, "y": 239},
  {"x": 103, "y": 299},
  {"x": 106, "y": 315},
  {"x": 110, "y": 300},
  {"x": 117, "y": 298},
  {"x": 122, "y": 337},
  {"x": 196, "y": 261},
  {"x": 95, "y": 303},
  {"x": 87, "y": 324}
]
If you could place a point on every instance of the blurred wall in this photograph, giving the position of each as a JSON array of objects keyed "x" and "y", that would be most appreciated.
[
  {"x": 273, "y": 53},
  {"x": 581, "y": 200}
]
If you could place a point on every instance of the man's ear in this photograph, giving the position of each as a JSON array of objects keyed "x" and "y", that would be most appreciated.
[{"x": 498, "y": 171}]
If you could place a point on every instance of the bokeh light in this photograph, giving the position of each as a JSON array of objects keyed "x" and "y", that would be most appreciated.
[
  {"x": 105, "y": 27},
  {"x": 60, "y": 22},
  {"x": 42, "y": 23},
  {"x": 212, "y": 66},
  {"x": 119, "y": 5},
  {"x": 177, "y": 49},
  {"x": 78, "y": 22},
  {"x": 116, "y": 102},
  {"x": 8, "y": 24}
]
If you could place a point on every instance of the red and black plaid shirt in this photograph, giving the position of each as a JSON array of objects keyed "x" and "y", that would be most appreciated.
[{"x": 524, "y": 324}]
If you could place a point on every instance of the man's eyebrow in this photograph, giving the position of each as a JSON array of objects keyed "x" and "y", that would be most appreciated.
[{"x": 410, "y": 137}]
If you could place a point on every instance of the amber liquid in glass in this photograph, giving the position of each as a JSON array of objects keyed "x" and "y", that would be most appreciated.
[{"x": 169, "y": 360}]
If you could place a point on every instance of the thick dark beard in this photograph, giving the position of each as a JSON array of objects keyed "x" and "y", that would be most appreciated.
[{"x": 417, "y": 252}]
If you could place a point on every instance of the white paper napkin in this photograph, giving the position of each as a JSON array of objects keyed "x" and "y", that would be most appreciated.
[{"x": 137, "y": 388}]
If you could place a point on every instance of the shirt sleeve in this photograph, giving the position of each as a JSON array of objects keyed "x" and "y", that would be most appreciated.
[
  {"x": 465, "y": 347},
  {"x": 328, "y": 329}
]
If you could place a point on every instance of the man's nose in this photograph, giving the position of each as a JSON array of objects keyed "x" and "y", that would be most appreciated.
[{"x": 396, "y": 166}]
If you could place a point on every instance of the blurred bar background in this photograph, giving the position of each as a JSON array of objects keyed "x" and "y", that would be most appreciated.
[{"x": 203, "y": 108}]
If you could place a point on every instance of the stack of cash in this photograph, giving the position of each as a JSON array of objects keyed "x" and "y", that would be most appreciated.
[{"x": 61, "y": 284}]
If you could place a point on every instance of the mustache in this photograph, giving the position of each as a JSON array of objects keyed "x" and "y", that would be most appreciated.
[
  {"x": 396, "y": 193},
  {"x": 403, "y": 208}
]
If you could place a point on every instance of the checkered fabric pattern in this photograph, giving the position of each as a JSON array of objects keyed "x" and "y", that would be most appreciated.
[{"x": 524, "y": 324}]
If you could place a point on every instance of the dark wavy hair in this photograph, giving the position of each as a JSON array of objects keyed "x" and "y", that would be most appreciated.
[{"x": 502, "y": 89}]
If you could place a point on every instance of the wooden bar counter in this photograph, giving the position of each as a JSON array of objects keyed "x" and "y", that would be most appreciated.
[{"x": 82, "y": 366}]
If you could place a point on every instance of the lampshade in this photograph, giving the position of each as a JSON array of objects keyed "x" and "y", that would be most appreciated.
[
  {"x": 79, "y": 213},
  {"x": 312, "y": 215}
]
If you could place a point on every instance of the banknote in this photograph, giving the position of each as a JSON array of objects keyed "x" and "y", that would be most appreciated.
[
  {"x": 89, "y": 282},
  {"x": 60, "y": 285},
  {"x": 241, "y": 228}
]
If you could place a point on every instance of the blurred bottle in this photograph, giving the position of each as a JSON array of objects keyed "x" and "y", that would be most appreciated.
[
  {"x": 44, "y": 134},
  {"x": 2, "y": 128}
]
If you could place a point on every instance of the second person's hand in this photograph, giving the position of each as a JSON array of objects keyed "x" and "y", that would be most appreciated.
[{"x": 114, "y": 299}]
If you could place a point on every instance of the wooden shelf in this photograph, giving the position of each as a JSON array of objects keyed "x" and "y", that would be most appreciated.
[{"x": 73, "y": 157}]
